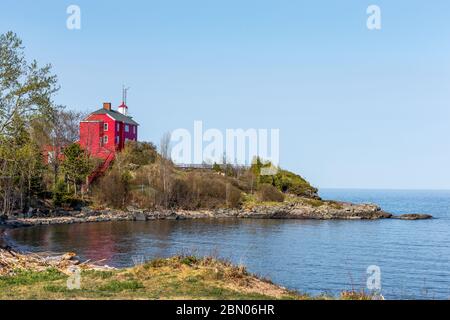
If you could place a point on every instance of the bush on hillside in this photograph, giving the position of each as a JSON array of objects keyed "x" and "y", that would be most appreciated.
[
  {"x": 155, "y": 186},
  {"x": 141, "y": 178},
  {"x": 285, "y": 181},
  {"x": 268, "y": 192},
  {"x": 204, "y": 190},
  {"x": 292, "y": 183},
  {"x": 112, "y": 189},
  {"x": 139, "y": 153}
]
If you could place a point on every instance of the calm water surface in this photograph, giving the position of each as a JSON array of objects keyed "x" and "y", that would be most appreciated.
[{"x": 310, "y": 256}]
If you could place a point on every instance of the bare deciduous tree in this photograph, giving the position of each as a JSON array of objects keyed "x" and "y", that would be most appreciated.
[{"x": 165, "y": 167}]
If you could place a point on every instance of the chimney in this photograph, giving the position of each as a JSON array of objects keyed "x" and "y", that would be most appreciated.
[{"x": 107, "y": 106}]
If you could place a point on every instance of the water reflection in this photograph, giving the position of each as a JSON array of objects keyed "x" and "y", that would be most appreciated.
[{"x": 307, "y": 255}]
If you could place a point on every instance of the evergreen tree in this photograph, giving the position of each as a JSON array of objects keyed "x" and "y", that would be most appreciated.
[{"x": 76, "y": 165}]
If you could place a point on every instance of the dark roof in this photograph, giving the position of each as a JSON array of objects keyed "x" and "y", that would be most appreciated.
[{"x": 116, "y": 116}]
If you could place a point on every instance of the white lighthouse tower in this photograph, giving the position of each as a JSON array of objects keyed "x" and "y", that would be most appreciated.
[{"x": 123, "y": 109}]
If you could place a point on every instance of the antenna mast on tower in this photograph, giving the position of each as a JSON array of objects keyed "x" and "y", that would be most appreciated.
[{"x": 124, "y": 94}]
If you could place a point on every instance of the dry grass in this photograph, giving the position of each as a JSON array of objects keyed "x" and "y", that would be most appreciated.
[
  {"x": 269, "y": 193},
  {"x": 251, "y": 202},
  {"x": 179, "y": 277},
  {"x": 356, "y": 295}
]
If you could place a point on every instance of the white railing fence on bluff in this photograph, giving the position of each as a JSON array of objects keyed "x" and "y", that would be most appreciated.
[{"x": 207, "y": 166}]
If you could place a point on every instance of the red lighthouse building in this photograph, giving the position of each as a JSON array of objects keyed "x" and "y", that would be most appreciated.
[{"x": 105, "y": 131}]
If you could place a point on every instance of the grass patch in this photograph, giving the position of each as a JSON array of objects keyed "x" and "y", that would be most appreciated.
[
  {"x": 98, "y": 274},
  {"x": 335, "y": 205},
  {"x": 117, "y": 286},
  {"x": 59, "y": 289},
  {"x": 313, "y": 202},
  {"x": 25, "y": 277},
  {"x": 250, "y": 201},
  {"x": 179, "y": 277}
]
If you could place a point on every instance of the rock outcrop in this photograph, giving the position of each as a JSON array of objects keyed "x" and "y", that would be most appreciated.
[
  {"x": 297, "y": 208},
  {"x": 413, "y": 216},
  {"x": 323, "y": 210}
]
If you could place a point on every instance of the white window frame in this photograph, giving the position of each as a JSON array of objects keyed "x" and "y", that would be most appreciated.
[
  {"x": 105, "y": 139},
  {"x": 134, "y": 129},
  {"x": 127, "y": 128},
  {"x": 118, "y": 127},
  {"x": 117, "y": 140},
  {"x": 105, "y": 127}
]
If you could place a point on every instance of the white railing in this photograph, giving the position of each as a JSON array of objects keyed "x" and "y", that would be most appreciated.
[{"x": 207, "y": 166}]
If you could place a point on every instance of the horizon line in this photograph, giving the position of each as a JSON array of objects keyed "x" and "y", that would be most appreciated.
[{"x": 383, "y": 189}]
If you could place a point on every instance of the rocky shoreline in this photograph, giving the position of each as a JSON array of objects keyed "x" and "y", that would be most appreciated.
[{"x": 300, "y": 209}]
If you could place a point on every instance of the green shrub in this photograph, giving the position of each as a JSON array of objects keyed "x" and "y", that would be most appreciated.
[
  {"x": 216, "y": 167},
  {"x": 287, "y": 181},
  {"x": 140, "y": 153},
  {"x": 284, "y": 180},
  {"x": 60, "y": 193}
]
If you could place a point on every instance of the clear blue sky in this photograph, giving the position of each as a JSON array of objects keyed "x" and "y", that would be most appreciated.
[{"x": 355, "y": 108}]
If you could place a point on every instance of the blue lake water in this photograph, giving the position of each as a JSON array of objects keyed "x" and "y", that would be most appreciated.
[{"x": 310, "y": 256}]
